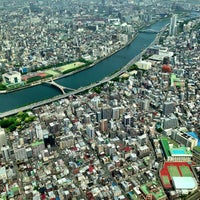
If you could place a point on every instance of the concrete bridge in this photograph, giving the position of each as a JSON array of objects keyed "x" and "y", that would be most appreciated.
[
  {"x": 149, "y": 31},
  {"x": 60, "y": 87}
]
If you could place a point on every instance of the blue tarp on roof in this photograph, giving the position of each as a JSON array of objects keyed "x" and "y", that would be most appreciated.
[{"x": 194, "y": 135}]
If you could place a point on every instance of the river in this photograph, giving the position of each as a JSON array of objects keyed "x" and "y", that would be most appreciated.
[{"x": 9, "y": 101}]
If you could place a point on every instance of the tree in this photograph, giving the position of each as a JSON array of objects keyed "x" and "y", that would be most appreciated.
[{"x": 2, "y": 86}]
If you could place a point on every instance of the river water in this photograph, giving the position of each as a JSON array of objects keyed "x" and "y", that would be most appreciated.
[{"x": 96, "y": 73}]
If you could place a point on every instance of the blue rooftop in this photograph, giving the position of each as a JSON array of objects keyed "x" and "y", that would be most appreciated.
[
  {"x": 194, "y": 135},
  {"x": 178, "y": 151}
]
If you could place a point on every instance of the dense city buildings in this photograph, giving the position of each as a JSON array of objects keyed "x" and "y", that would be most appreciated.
[
  {"x": 34, "y": 35},
  {"x": 133, "y": 137}
]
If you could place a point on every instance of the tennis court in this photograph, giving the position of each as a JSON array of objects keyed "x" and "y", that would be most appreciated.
[
  {"x": 173, "y": 171},
  {"x": 185, "y": 170},
  {"x": 165, "y": 180}
]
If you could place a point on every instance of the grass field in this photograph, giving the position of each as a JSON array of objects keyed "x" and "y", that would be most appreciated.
[
  {"x": 52, "y": 72},
  {"x": 70, "y": 66},
  {"x": 185, "y": 170},
  {"x": 173, "y": 171}
]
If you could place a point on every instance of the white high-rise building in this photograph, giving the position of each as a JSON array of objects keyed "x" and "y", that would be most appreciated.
[
  {"x": 90, "y": 131},
  {"x": 3, "y": 140},
  {"x": 39, "y": 131},
  {"x": 173, "y": 25},
  {"x": 5, "y": 150},
  {"x": 20, "y": 153}
]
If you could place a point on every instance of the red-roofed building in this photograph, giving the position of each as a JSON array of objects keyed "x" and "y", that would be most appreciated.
[
  {"x": 74, "y": 148},
  {"x": 91, "y": 168},
  {"x": 166, "y": 68},
  {"x": 127, "y": 149},
  {"x": 43, "y": 196}
]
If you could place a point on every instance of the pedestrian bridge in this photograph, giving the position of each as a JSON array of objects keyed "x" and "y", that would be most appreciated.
[{"x": 60, "y": 87}]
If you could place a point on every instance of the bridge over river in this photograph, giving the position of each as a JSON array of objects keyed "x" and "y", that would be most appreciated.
[
  {"x": 149, "y": 31},
  {"x": 79, "y": 90},
  {"x": 60, "y": 87}
]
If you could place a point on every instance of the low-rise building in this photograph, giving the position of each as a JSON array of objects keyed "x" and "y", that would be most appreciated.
[
  {"x": 184, "y": 185},
  {"x": 142, "y": 64},
  {"x": 185, "y": 139},
  {"x": 152, "y": 190},
  {"x": 181, "y": 154}
]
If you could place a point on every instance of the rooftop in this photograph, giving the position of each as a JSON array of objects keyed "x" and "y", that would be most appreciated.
[
  {"x": 194, "y": 135},
  {"x": 165, "y": 145},
  {"x": 184, "y": 183},
  {"x": 2, "y": 170},
  {"x": 180, "y": 151},
  {"x": 154, "y": 189},
  {"x": 37, "y": 143}
]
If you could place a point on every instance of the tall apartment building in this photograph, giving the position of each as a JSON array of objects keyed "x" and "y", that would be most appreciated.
[
  {"x": 168, "y": 108},
  {"x": 173, "y": 25},
  {"x": 127, "y": 119},
  {"x": 95, "y": 102},
  {"x": 54, "y": 127},
  {"x": 90, "y": 131},
  {"x": 39, "y": 131},
  {"x": 5, "y": 150},
  {"x": 103, "y": 125},
  {"x": 170, "y": 122},
  {"x": 3, "y": 139},
  {"x": 145, "y": 104},
  {"x": 3, "y": 174},
  {"x": 98, "y": 116},
  {"x": 20, "y": 153},
  {"x": 86, "y": 118},
  {"x": 115, "y": 112},
  {"x": 106, "y": 113}
]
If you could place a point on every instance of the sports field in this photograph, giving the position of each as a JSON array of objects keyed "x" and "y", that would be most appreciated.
[
  {"x": 174, "y": 169},
  {"x": 52, "y": 72},
  {"x": 71, "y": 66}
]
